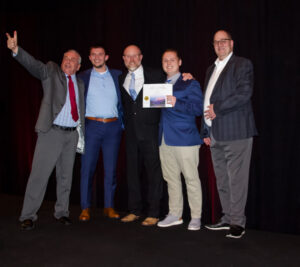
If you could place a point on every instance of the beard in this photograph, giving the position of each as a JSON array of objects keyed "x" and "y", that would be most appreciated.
[{"x": 99, "y": 66}]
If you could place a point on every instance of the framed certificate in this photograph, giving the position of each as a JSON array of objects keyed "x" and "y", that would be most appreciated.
[{"x": 154, "y": 95}]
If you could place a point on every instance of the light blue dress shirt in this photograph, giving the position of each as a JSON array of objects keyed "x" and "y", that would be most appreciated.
[
  {"x": 102, "y": 99},
  {"x": 64, "y": 118},
  {"x": 173, "y": 79}
]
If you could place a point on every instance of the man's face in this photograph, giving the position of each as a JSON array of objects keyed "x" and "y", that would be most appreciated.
[
  {"x": 132, "y": 57},
  {"x": 70, "y": 63},
  {"x": 98, "y": 57},
  {"x": 223, "y": 44},
  {"x": 170, "y": 63}
]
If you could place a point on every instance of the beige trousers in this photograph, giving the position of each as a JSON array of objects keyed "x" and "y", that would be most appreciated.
[{"x": 174, "y": 161}]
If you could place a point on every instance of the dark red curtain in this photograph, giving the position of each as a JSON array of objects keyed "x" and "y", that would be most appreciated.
[{"x": 264, "y": 31}]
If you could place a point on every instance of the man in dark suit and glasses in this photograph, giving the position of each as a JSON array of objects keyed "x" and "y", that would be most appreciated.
[
  {"x": 228, "y": 128},
  {"x": 62, "y": 111},
  {"x": 141, "y": 136}
]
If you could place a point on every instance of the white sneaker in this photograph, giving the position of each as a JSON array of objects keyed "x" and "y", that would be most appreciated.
[
  {"x": 194, "y": 224},
  {"x": 170, "y": 220}
]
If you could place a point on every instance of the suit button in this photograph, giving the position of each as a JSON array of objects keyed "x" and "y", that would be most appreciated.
[{"x": 134, "y": 113}]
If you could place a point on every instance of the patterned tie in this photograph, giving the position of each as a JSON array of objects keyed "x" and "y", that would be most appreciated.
[
  {"x": 72, "y": 99},
  {"x": 132, "y": 87}
]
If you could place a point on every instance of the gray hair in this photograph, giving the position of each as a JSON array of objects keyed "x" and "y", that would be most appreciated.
[{"x": 73, "y": 50}]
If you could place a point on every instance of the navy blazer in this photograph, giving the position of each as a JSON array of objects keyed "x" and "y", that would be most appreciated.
[
  {"x": 178, "y": 124},
  {"x": 86, "y": 75},
  {"x": 231, "y": 97}
]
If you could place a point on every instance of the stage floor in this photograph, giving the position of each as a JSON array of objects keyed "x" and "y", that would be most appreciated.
[{"x": 106, "y": 242}]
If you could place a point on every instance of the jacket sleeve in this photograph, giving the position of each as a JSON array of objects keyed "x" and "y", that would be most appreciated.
[
  {"x": 35, "y": 67},
  {"x": 192, "y": 103}
]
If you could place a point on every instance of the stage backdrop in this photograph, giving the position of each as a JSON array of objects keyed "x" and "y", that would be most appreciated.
[{"x": 264, "y": 31}]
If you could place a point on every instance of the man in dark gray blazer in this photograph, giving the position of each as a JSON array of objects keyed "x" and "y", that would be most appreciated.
[
  {"x": 228, "y": 128},
  {"x": 61, "y": 113}
]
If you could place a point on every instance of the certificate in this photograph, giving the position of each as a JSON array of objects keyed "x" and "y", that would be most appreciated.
[{"x": 155, "y": 95}]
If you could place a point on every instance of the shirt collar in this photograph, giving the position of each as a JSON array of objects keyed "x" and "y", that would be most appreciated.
[
  {"x": 224, "y": 61},
  {"x": 94, "y": 72},
  {"x": 174, "y": 78},
  {"x": 73, "y": 76},
  {"x": 138, "y": 72}
]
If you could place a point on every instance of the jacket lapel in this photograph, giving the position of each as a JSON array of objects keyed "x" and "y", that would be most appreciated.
[
  {"x": 222, "y": 75},
  {"x": 208, "y": 75},
  {"x": 178, "y": 84}
]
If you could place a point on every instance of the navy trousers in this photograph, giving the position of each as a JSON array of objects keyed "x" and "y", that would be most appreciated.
[{"x": 105, "y": 137}]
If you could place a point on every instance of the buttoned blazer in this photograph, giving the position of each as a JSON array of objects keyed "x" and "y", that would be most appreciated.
[
  {"x": 54, "y": 84},
  {"x": 231, "y": 97},
  {"x": 178, "y": 124},
  {"x": 141, "y": 123},
  {"x": 86, "y": 75}
]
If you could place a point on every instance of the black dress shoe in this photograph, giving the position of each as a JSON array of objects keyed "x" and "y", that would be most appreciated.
[
  {"x": 64, "y": 220},
  {"x": 218, "y": 226},
  {"x": 236, "y": 231},
  {"x": 27, "y": 225}
]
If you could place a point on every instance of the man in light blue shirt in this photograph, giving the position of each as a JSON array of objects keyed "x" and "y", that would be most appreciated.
[{"x": 103, "y": 130}]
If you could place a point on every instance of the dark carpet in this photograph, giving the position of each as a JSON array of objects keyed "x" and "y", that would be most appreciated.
[{"x": 106, "y": 242}]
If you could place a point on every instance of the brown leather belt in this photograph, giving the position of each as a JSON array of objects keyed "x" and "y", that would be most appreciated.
[{"x": 105, "y": 120}]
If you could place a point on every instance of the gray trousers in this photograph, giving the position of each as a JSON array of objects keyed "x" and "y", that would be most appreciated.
[
  {"x": 231, "y": 161},
  {"x": 56, "y": 148}
]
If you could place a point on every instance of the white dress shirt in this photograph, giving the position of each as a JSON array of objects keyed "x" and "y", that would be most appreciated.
[
  {"x": 139, "y": 79},
  {"x": 220, "y": 65}
]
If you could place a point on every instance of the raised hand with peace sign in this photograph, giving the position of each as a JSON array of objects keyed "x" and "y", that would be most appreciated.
[{"x": 12, "y": 42}]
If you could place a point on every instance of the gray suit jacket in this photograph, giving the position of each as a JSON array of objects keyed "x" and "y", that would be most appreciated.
[
  {"x": 231, "y": 97},
  {"x": 54, "y": 87}
]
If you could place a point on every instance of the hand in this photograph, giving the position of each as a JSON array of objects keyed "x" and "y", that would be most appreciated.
[
  {"x": 12, "y": 42},
  {"x": 187, "y": 76},
  {"x": 206, "y": 141},
  {"x": 209, "y": 113},
  {"x": 171, "y": 100}
]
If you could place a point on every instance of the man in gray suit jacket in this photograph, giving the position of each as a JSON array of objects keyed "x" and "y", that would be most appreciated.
[
  {"x": 61, "y": 112},
  {"x": 228, "y": 128}
]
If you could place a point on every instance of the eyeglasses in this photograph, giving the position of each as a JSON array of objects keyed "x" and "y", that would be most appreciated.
[
  {"x": 132, "y": 56},
  {"x": 220, "y": 42}
]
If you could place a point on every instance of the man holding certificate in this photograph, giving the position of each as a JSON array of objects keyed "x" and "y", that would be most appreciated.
[{"x": 180, "y": 142}]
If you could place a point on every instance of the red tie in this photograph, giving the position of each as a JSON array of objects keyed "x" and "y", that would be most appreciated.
[{"x": 72, "y": 99}]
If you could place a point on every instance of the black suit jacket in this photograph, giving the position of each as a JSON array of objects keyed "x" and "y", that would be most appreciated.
[
  {"x": 231, "y": 97},
  {"x": 141, "y": 123}
]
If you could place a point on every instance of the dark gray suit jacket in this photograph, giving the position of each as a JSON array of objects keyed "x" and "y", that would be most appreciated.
[
  {"x": 231, "y": 97},
  {"x": 54, "y": 87}
]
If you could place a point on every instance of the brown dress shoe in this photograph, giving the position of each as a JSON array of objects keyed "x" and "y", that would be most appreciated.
[
  {"x": 85, "y": 215},
  {"x": 150, "y": 221},
  {"x": 111, "y": 213},
  {"x": 130, "y": 218}
]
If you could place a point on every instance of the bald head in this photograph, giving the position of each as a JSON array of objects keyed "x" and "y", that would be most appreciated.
[{"x": 132, "y": 57}]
